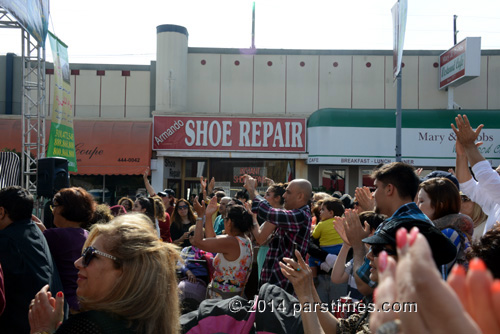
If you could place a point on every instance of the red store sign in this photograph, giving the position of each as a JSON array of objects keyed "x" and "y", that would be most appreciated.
[{"x": 229, "y": 134}]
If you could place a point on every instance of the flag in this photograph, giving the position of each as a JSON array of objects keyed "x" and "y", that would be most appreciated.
[{"x": 289, "y": 173}]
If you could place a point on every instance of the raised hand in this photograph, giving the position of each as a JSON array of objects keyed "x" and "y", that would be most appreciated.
[
  {"x": 199, "y": 208},
  {"x": 212, "y": 206},
  {"x": 250, "y": 184},
  {"x": 355, "y": 232},
  {"x": 365, "y": 199},
  {"x": 203, "y": 183},
  {"x": 145, "y": 173},
  {"x": 466, "y": 135},
  {"x": 269, "y": 181},
  {"x": 339, "y": 224}
]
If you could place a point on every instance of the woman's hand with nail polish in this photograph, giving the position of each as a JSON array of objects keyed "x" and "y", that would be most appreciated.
[
  {"x": 427, "y": 303},
  {"x": 479, "y": 293}
]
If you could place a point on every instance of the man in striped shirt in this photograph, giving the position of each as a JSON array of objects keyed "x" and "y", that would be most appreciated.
[{"x": 291, "y": 227}]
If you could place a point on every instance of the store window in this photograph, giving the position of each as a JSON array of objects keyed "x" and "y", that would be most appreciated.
[
  {"x": 228, "y": 174},
  {"x": 196, "y": 168},
  {"x": 333, "y": 179},
  {"x": 193, "y": 170},
  {"x": 109, "y": 188},
  {"x": 366, "y": 179}
]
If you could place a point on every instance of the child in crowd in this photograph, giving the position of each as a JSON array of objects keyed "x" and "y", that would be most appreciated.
[
  {"x": 329, "y": 239},
  {"x": 195, "y": 273},
  {"x": 343, "y": 270}
]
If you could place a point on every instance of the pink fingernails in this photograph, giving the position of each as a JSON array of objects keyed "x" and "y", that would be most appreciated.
[
  {"x": 458, "y": 270},
  {"x": 413, "y": 235},
  {"x": 382, "y": 261},
  {"x": 495, "y": 287},
  {"x": 401, "y": 238},
  {"x": 477, "y": 265}
]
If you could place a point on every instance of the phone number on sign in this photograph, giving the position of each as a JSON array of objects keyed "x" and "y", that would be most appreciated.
[{"x": 129, "y": 159}]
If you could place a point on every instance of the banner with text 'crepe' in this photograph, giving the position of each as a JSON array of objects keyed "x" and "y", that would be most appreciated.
[{"x": 62, "y": 137}]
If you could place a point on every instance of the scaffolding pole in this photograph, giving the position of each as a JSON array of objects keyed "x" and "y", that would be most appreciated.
[{"x": 33, "y": 104}]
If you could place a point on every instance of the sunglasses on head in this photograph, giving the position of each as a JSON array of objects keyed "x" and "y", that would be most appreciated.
[
  {"x": 377, "y": 249},
  {"x": 89, "y": 253}
]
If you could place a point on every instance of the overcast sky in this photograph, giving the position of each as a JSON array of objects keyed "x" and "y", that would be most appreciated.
[{"x": 124, "y": 32}]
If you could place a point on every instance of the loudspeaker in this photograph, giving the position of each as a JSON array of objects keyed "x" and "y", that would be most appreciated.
[{"x": 52, "y": 176}]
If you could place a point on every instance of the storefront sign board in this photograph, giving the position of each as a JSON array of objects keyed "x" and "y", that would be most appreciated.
[
  {"x": 461, "y": 63},
  {"x": 241, "y": 134},
  {"x": 102, "y": 147},
  {"x": 366, "y": 137},
  {"x": 173, "y": 168}
]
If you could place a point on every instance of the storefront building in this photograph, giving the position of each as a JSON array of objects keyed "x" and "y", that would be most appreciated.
[
  {"x": 111, "y": 155},
  {"x": 227, "y": 149}
]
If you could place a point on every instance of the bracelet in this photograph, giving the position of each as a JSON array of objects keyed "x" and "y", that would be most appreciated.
[{"x": 391, "y": 327}]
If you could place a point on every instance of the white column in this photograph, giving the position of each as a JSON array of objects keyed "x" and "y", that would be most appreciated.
[
  {"x": 157, "y": 173},
  {"x": 171, "y": 68}
]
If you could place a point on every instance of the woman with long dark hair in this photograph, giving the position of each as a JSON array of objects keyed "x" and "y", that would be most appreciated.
[
  {"x": 152, "y": 207},
  {"x": 182, "y": 218}
]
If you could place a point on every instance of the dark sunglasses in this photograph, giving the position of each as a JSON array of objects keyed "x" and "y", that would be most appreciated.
[
  {"x": 182, "y": 207},
  {"x": 89, "y": 253},
  {"x": 377, "y": 249}
]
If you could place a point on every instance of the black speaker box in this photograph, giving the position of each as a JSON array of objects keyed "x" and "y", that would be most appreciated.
[{"x": 52, "y": 176}]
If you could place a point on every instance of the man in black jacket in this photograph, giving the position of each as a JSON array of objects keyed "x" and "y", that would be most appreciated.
[{"x": 25, "y": 257}]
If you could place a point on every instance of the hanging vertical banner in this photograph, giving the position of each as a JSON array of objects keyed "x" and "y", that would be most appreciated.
[
  {"x": 62, "y": 137},
  {"x": 399, "y": 13}
]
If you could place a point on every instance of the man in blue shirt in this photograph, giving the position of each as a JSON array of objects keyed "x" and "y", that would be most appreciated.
[{"x": 396, "y": 185}]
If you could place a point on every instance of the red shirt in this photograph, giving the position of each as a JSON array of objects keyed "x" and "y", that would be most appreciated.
[{"x": 164, "y": 226}]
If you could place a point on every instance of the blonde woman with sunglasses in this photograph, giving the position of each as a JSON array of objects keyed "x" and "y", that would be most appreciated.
[{"x": 118, "y": 285}]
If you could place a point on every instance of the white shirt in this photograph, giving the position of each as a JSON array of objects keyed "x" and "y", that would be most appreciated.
[{"x": 485, "y": 192}]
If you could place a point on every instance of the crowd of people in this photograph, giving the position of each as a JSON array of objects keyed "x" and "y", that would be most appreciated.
[{"x": 158, "y": 264}]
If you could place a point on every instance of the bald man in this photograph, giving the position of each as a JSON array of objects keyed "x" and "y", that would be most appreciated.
[{"x": 292, "y": 227}]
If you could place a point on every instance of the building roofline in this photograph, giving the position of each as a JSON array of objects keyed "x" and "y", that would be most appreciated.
[{"x": 305, "y": 52}]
